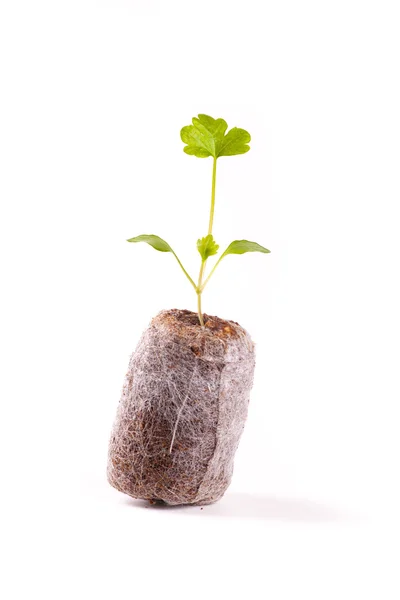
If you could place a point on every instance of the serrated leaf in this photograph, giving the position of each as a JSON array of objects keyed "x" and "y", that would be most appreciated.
[
  {"x": 153, "y": 240},
  {"x": 206, "y": 137},
  {"x": 243, "y": 246},
  {"x": 207, "y": 247}
]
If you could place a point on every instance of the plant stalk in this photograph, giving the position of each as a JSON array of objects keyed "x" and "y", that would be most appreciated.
[
  {"x": 199, "y": 292},
  {"x": 200, "y": 286},
  {"x": 199, "y": 309},
  {"x": 214, "y": 179},
  {"x": 212, "y": 271},
  {"x": 184, "y": 270}
]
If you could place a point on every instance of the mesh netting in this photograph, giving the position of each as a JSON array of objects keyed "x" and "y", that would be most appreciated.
[{"x": 182, "y": 411}]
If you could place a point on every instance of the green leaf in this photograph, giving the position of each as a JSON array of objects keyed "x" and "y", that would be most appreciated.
[
  {"x": 207, "y": 247},
  {"x": 206, "y": 137},
  {"x": 162, "y": 246},
  {"x": 155, "y": 241},
  {"x": 243, "y": 246}
]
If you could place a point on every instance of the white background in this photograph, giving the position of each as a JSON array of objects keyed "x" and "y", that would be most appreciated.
[{"x": 93, "y": 98}]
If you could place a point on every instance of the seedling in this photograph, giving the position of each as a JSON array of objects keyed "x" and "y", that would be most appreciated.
[{"x": 207, "y": 137}]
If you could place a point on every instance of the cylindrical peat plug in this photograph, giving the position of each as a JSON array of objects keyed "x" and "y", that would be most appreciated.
[{"x": 182, "y": 411}]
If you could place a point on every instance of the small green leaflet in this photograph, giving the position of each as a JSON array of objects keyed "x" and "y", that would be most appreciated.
[
  {"x": 155, "y": 241},
  {"x": 206, "y": 137},
  {"x": 207, "y": 247},
  {"x": 243, "y": 246}
]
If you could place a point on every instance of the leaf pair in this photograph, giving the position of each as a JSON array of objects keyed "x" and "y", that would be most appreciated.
[
  {"x": 206, "y": 137},
  {"x": 206, "y": 247}
]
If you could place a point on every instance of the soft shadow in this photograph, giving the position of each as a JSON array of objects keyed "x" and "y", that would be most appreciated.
[{"x": 256, "y": 506}]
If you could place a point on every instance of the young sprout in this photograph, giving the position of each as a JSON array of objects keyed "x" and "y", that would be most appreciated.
[{"x": 207, "y": 137}]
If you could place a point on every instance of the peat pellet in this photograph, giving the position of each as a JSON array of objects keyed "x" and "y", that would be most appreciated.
[{"x": 182, "y": 411}]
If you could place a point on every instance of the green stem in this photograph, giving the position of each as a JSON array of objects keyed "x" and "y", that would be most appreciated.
[
  {"x": 199, "y": 291},
  {"x": 214, "y": 178},
  {"x": 184, "y": 270},
  {"x": 199, "y": 309},
  {"x": 200, "y": 285},
  {"x": 212, "y": 271}
]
